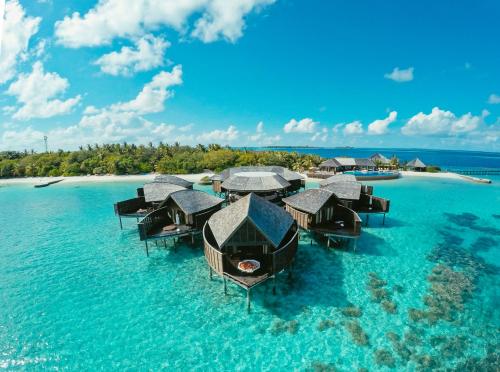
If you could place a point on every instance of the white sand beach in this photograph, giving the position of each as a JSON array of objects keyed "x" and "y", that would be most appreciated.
[
  {"x": 188, "y": 177},
  {"x": 92, "y": 178}
]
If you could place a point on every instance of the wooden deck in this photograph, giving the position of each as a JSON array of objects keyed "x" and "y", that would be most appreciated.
[
  {"x": 247, "y": 281},
  {"x": 175, "y": 231},
  {"x": 331, "y": 230}
]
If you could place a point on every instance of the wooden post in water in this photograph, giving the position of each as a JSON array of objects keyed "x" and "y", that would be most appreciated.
[
  {"x": 367, "y": 219},
  {"x": 121, "y": 225},
  {"x": 210, "y": 273},
  {"x": 383, "y": 221},
  {"x": 147, "y": 249},
  {"x": 225, "y": 285},
  {"x": 274, "y": 284},
  {"x": 248, "y": 299}
]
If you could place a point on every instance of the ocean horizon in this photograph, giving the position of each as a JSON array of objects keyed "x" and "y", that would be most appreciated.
[{"x": 447, "y": 159}]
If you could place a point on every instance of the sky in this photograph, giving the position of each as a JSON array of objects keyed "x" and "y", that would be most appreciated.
[{"x": 408, "y": 74}]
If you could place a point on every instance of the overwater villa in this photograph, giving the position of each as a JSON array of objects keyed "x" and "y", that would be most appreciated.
[
  {"x": 181, "y": 213},
  {"x": 149, "y": 196},
  {"x": 321, "y": 211},
  {"x": 250, "y": 241},
  {"x": 270, "y": 182},
  {"x": 356, "y": 196},
  {"x": 416, "y": 165}
]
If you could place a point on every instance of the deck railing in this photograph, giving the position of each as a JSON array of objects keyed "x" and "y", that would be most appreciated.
[
  {"x": 152, "y": 221},
  {"x": 213, "y": 256},
  {"x": 284, "y": 256},
  {"x": 350, "y": 218},
  {"x": 281, "y": 258},
  {"x": 379, "y": 205},
  {"x": 130, "y": 205}
]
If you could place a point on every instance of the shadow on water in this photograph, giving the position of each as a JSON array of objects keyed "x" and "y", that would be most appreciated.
[
  {"x": 389, "y": 222},
  {"x": 373, "y": 245},
  {"x": 314, "y": 266}
]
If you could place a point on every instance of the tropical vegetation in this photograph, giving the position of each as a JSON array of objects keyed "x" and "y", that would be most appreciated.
[{"x": 138, "y": 159}]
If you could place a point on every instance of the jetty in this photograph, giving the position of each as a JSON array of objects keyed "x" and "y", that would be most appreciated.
[
  {"x": 45, "y": 184},
  {"x": 477, "y": 172}
]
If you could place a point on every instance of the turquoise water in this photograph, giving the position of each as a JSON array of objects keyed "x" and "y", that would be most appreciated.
[
  {"x": 78, "y": 293},
  {"x": 370, "y": 173}
]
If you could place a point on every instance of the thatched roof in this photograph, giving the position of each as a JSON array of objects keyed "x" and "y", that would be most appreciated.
[
  {"x": 255, "y": 181},
  {"x": 310, "y": 201},
  {"x": 338, "y": 178},
  {"x": 379, "y": 157},
  {"x": 159, "y": 191},
  {"x": 286, "y": 173},
  {"x": 364, "y": 162},
  {"x": 194, "y": 201},
  {"x": 174, "y": 180},
  {"x": 269, "y": 219},
  {"x": 345, "y": 161},
  {"x": 330, "y": 163},
  {"x": 345, "y": 190},
  {"x": 416, "y": 163}
]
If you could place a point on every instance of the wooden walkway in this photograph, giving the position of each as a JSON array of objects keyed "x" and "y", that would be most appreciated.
[{"x": 477, "y": 172}]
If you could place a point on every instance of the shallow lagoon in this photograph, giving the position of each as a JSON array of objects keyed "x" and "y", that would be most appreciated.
[{"x": 76, "y": 292}]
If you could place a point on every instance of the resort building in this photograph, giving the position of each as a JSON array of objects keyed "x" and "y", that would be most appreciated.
[
  {"x": 182, "y": 213},
  {"x": 157, "y": 192},
  {"x": 356, "y": 196},
  {"x": 416, "y": 165},
  {"x": 321, "y": 211},
  {"x": 174, "y": 180},
  {"x": 132, "y": 208},
  {"x": 149, "y": 196},
  {"x": 380, "y": 160},
  {"x": 270, "y": 182},
  {"x": 342, "y": 164},
  {"x": 250, "y": 241}
]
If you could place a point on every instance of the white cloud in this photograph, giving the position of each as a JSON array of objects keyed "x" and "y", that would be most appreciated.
[
  {"x": 17, "y": 30},
  {"x": 148, "y": 53},
  {"x": 259, "y": 132},
  {"x": 381, "y": 126},
  {"x": 261, "y": 137},
  {"x": 186, "y": 128},
  {"x": 153, "y": 95},
  {"x": 353, "y": 128},
  {"x": 36, "y": 93},
  {"x": 400, "y": 76},
  {"x": 306, "y": 125},
  {"x": 218, "y": 135},
  {"x": 124, "y": 121},
  {"x": 320, "y": 135},
  {"x": 494, "y": 99},
  {"x": 440, "y": 122},
  {"x": 109, "y": 19},
  {"x": 225, "y": 19}
]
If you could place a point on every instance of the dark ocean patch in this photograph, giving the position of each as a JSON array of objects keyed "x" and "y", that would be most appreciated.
[
  {"x": 484, "y": 244},
  {"x": 470, "y": 221}
]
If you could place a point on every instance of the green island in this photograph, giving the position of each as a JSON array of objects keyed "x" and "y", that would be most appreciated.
[{"x": 127, "y": 158}]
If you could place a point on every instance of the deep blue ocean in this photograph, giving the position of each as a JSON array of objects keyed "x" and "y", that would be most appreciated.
[{"x": 447, "y": 159}]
